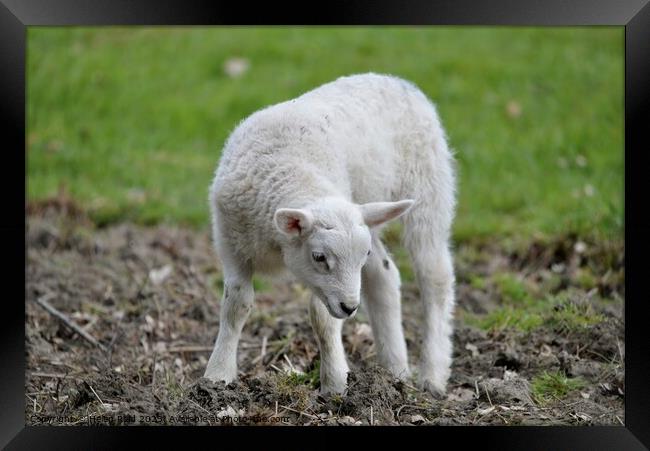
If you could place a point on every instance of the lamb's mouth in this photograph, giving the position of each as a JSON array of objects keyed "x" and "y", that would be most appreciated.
[{"x": 336, "y": 313}]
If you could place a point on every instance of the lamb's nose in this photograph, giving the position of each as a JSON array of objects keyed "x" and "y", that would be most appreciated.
[{"x": 348, "y": 310}]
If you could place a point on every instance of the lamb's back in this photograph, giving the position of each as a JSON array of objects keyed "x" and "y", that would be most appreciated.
[{"x": 349, "y": 137}]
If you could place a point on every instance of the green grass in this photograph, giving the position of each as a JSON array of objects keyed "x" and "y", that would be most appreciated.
[
  {"x": 568, "y": 316},
  {"x": 558, "y": 314},
  {"x": 511, "y": 289},
  {"x": 507, "y": 317},
  {"x": 478, "y": 282},
  {"x": 551, "y": 386},
  {"x": 310, "y": 378},
  {"x": 130, "y": 121},
  {"x": 261, "y": 284}
]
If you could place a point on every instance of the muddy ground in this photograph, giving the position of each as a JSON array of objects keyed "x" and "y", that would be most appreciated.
[{"x": 150, "y": 297}]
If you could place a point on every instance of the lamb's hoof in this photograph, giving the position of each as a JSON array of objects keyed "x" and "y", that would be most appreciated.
[
  {"x": 402, "y": 374},
  {"x": 330, "y": 387},
  {"x": 220, "y": 377},
  {"x": 436, "y": 389},
  {"x": 332, "y": 390},
  {"x": 333, "y": 382}
]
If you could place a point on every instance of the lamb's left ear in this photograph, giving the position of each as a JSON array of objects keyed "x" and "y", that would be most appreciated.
[
  {"x": 376, "y": 213},
  {"x": 293, "y": 222}
]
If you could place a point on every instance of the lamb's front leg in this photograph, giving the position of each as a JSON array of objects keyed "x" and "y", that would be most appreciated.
[
  {"x": 381, "y": 291},
  {"x": 236, "y": 305},
  {"x": 333, "y": 366}
]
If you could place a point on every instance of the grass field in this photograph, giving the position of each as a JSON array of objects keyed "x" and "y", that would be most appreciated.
[{"x": 130, "y": 121}]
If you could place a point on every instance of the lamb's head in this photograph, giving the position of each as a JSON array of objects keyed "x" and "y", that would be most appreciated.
[{"x": 326, "y": 244}]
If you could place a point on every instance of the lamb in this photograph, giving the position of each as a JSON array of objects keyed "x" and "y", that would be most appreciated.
[{"x": 308, "y": 184}]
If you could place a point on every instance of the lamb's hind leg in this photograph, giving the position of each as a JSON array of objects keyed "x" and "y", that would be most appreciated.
[
  {"x": 381, "y": 292},
  {"x": 236, "y": 305},
  {"x": 427, "y": 241}
]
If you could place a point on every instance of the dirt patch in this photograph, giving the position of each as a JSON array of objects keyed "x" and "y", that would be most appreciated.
[{"x": 150, "y": 297}]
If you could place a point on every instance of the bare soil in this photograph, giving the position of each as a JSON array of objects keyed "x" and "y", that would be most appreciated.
[{"x": 150, "y": 297}]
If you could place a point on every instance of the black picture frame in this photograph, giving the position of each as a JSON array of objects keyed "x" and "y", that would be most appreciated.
[{"x": 634, "y": 15}]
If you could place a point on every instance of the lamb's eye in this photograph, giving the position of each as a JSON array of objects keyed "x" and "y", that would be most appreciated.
[
  {"x": 318, "y": 257},
  {"x": 368, "y": 252}
]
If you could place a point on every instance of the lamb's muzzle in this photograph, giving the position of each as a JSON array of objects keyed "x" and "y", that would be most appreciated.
[{"x": 349, "y": 310}]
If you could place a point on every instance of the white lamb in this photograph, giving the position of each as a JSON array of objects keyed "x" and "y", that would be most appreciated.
[{"x": 309, "y": 183}]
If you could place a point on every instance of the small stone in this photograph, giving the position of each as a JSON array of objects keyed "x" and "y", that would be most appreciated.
[
  {"x": 473, "y": 349},
  {"x": 558, "y": 268},
  {"x": 510, "y": 375},
  {"x": 158, "y": 276},
  {"x": 227, "y": 412},
  {"x": 459, "y": 395},
  {"x": 580, "y": 247},
  {"x": 485, "y": 411},
  {"x": 236, "y": 67},
  {"x": 545, "y": 350},
  {"x": 347, "y": 420},
  {"x": 516, "y": 389},
  {"x": 513, "y": 108},
  {"x": 417, "y": 419}
]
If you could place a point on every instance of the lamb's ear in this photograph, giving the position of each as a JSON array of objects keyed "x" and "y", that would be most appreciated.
[
  {"x": 376, "y": 213},
  {"x": 293, "y": 222}
]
